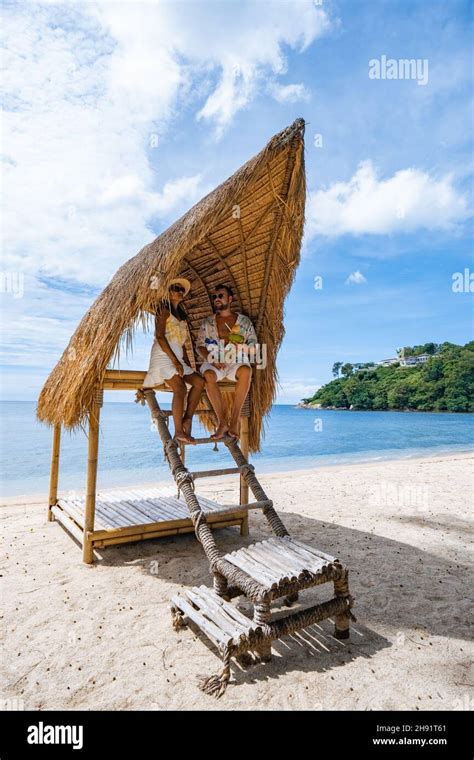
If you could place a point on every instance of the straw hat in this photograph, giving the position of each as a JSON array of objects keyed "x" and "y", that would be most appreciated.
[{"x": 183, "y": 282}]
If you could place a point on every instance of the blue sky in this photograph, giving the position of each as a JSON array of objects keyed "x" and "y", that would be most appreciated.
[{"x": 119, "y": 116}]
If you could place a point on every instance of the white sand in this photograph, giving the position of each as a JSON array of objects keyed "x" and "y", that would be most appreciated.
[{"x": 100, "y": 637}]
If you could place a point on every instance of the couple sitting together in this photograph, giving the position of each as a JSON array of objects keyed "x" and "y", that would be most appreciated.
[{"x": 169, "y": 362}]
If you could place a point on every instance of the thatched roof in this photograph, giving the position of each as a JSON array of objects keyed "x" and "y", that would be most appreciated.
[{"x": 246, "y": 233}]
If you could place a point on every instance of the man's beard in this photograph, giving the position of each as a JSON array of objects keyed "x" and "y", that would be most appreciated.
[{"x": 219, "y": 306}]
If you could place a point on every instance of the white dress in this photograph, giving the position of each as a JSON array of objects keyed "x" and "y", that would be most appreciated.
[{"x": 161, "y": 367}]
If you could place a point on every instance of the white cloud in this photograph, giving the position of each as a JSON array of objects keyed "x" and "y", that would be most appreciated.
[
  {"x": 291, "y": 391},
  {"x": 87, "y": 87},
  {"x": 409, "y": 200},
  {"x": 91, "y": 90},
  {"x": 289, "y": 93},
  {"x": 356, "y": 278}
]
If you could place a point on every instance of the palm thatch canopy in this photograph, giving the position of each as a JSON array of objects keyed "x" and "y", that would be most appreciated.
[{"x": 246, "y": 233}]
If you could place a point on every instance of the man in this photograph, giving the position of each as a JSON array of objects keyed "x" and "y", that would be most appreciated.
[{"x": 237, "y": 332}]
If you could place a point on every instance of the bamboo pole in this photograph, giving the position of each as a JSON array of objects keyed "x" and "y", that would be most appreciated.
[
  {"x": 54, "y": 474},
  {"x": 244, "y": 489},
  {"x": 92, "y": 459}
]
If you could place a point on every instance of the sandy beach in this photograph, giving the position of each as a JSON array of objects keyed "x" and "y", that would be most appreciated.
[{"x": 99, "y": 637}]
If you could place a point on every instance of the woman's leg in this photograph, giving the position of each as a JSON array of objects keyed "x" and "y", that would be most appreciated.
[
  {"x": 197, "y": 385},
  {"x": 178, "y": 387}
]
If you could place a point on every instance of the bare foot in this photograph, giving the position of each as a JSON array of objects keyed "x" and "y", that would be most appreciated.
[
  {"x": 187, "y": 425},
  {"x": 220, "y": 433},
  {"x": 234, "y": 429},
  {"x": 182, "y": 437}
]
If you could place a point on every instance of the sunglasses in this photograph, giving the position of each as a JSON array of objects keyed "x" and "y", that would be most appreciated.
[
  {"x": 219, "y": 295},
  {"x": 177, "y": 289}
]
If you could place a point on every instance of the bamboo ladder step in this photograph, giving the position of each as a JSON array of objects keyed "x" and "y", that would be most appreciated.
[
  {"x": 201, "y": 441},
  {"x": 213, "y": 473},
  {"x": 221, "y": 621},
  {"x": 280, "y": 560}
]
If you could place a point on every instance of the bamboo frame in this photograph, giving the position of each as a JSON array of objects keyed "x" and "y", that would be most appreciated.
[
  {"x": 91, "y": 487},
  {"x": 54, "y": 474},
  {"x": 91, "y": 538},
  {"x": 244, "y": 489},
  {"x": 133, "y": 533}
]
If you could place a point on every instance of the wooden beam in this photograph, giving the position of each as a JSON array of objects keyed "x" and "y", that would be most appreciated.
[
  {"x": 92, "y": 459},
  {"x": 54, "y": 473},
  {"x": 128, "y": 380},
  {"x": 244, "y": 489}
]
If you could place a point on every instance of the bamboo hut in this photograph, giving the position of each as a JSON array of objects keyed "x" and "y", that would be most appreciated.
[{"x": 246, "y": 233}]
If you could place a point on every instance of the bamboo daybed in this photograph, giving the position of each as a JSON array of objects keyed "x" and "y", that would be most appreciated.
[{"x": 105, "y": 518}]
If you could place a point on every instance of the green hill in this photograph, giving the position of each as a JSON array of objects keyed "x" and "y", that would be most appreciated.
[{"x": 444, "y": 383}]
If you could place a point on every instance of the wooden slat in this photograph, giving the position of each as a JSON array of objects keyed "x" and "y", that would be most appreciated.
[
  {"x": 69, "y": 524},
  {"x": 214, "y": 473},
  {"x": 136, "y": 533},
  {"x": 212, "y": 630},
  {"x": 153, "y": 511},
  {"x": 275, "y": 561},
  {"x": 296, "y": 562},
  {"x": 269, "y": 566},
  {"x": 312, "y": 562},
  {"x": 217, "y": 615},
  {"x": 115, "y": 518},
  {"x": 79, "y": 504},
  {"x": 118, "y": 510},
  {"x": 230, "y": 608},
  {"x": 310, "y": 549},
  {"x": 250, "y": 566}
]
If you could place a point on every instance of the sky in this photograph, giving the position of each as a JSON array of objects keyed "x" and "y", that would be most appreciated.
[{"x": 119, "y": 116}]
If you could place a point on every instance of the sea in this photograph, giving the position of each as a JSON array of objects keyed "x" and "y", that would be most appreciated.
[{"x": 130, "y": 452}]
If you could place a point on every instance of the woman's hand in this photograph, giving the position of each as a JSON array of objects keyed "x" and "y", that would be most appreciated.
[{"x": 179, "y": 367}]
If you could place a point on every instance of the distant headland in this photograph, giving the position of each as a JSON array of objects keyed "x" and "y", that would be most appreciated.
[{"x": 433, "y": 377}]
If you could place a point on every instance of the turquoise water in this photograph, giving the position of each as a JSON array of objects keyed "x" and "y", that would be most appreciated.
[{"x": 130, "y": 451}]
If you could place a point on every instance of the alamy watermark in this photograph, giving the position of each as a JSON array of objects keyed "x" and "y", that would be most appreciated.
[
  {"x": 463, "y": 282},
  {"x": 13, "y": 283},
  {"x": 48, "y": 734},
  {"x": 390, "y": 494},
  {"x": 238, "y": 353},
  {"x": 402, "y": 68}
]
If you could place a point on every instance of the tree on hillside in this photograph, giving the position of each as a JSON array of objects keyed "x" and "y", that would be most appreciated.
[
  {"x": 336, "y": 367},
  {"x": 346, "y": 369}
]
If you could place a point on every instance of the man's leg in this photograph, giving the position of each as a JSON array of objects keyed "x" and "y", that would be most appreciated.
[
  {"x": 215, "y": 397},
  {"x": 243, "y": 378}
]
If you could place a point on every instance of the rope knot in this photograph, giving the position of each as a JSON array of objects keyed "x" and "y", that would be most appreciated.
[
  {"x": 184, "y": 477},
  {"x": 245, "y": 469}
]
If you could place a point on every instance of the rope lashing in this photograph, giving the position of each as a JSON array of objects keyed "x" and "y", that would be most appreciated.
[
  {"x": 245, "y": 469},
  {"x": 184, "y": 477},
  {"x": 140, "y": 397},
  {"x": 200, "y": 519},
  {"x": 217, "y": 684}
]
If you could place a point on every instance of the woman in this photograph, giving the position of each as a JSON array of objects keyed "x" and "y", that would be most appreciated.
[{"x": 169, "y": 362}]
